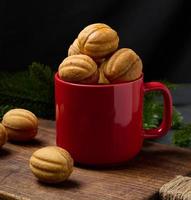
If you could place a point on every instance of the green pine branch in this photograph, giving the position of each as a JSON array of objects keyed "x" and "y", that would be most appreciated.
[
  {"x": 182, "y": 136},
  {"x": 153, "y": 109},
  {"x": 32, "y": 89}
]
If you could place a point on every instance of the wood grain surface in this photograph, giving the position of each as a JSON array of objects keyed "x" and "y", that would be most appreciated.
[{"x": 140, "y": 178}]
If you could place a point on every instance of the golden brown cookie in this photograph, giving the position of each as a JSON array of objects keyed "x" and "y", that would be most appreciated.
[
  {"x": 51, "y": 164},
  {"x": 102, "y": 78},
  {"x": 20, "y": 124},
  {"x": 74, "y": 48},
  {"x": 79, "y": 69},
  {"x": 124, "y": 65},
  {"x": 98, "y": 40},
  {"x": 3, "y": 135}
]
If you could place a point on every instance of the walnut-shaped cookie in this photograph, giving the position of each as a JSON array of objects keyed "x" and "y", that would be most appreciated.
[
  {"x": 51, "y": 164},
  {"x": 98, "y": 40},
  {"x": 79, "y": 69},
  {"x": 124, "y": 65},
  {"x": 102, "y": 78},
  {"x": 3, "y": 135},
  {"x": 20, "y": 124},
  {"x": 74, "y": 48}
]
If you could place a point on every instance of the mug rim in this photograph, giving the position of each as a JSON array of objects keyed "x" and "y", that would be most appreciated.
[{"x": 97, "y": 85}]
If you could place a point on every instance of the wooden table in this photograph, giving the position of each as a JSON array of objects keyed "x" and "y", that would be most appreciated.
[{"x": 141, "y": 178}]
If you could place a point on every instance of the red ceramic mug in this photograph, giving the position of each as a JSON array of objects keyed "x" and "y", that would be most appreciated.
[{"x": 102, "y": 124}]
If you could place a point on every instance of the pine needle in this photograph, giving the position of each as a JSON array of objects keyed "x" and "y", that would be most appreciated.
[
  {"x": 32, "y": 89},
  {"x": 182, "y": 137}
]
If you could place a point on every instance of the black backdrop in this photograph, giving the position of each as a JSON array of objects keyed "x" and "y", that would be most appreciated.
[{"x": 157, "y": 30}]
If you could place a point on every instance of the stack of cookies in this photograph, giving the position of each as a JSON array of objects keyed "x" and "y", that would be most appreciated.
[{"x": 94, "y": 58}]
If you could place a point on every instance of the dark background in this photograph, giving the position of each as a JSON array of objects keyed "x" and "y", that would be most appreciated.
[{"x": 159, "y": 31}]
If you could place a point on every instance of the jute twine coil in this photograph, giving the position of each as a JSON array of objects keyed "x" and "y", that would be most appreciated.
[{"x": 177, "y": 189}]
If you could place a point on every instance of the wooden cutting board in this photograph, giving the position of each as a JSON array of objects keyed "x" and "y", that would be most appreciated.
[{"x": 141, "y": 178}]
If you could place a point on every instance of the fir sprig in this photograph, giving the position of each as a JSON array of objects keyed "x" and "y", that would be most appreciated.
[
  {"x": 153, "y": 109},
  {"x": 32, "y": 89},
  {"x": 182, "y": 137}
]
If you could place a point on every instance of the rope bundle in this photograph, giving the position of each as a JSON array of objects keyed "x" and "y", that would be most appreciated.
[{"x": 177, "y": 189}]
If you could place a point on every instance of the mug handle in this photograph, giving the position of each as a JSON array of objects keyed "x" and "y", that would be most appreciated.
[{"x": 167, "y": 112}]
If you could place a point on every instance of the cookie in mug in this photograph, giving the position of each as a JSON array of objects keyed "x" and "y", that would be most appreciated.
[
  {"x": 124, "y": 65},
  {"x": 98, "y": 40},
  {"x": 79, "y": 69}
]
